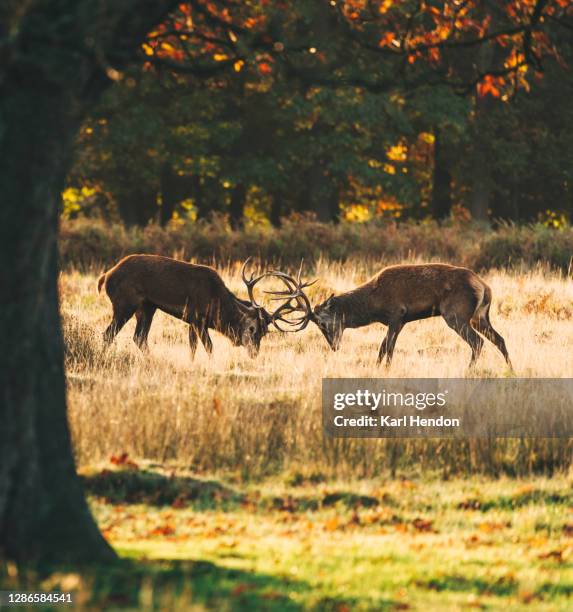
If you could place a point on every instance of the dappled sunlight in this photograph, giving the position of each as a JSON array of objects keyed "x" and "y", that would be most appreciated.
[{"x": 416, "y": 542}]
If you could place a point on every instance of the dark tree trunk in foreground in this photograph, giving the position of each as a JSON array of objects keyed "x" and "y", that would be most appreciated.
[
  {"x": 45, "y": 88},
  {"x": 43, "y": 513}
]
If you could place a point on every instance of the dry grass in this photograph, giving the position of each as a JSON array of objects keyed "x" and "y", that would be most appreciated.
[{"x": 228, "y": 412}]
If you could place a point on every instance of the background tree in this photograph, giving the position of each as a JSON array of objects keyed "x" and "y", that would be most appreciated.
[{"x": 315, "y": 96}]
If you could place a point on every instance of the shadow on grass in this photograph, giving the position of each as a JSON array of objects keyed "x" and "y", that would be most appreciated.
[
  {"x": 502, "y": 586},
  {"x": 154, "y": 489},
  {"x": 134, "y": 486},
  {"x": 519, "y": 500},
  {"x": 180, "y": 585},
  {"x": 552, "y": 590},
  {"x": 184, "y": 585}
]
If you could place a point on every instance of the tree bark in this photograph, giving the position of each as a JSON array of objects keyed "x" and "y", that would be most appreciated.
[
  {"x": 276, "y": 209},
  {"x": 43, "y": 512},
  {"x": 323, "y": 194},
  {"x": 481, "y": 155},
  {"x": 167, "y": 182},
  {"x": 49, "y": 77},
  {"x": 237, "y": 205},
  {"x": 138, "y": 206},
  {"x": 442, "y": 180},
  {"x": 481, "y": 179}
]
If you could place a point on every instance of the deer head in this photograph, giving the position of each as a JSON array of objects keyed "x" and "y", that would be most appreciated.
[
  {"x": 256, "y": 320},
  {"x": 330, "y": 321}
]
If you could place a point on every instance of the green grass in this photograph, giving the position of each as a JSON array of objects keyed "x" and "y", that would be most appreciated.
[{"x": 303, "y": 542}]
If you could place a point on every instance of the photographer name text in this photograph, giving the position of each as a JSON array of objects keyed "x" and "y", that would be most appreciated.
[{"x": 369, "y": 400}]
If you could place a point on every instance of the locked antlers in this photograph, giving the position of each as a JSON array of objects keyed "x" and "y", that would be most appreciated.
[{"x": 294, "y": 292}]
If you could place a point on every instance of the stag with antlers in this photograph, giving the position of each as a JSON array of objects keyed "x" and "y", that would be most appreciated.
[
  {"x": 140, "y": 284},
  {"x": 400, "y": 294}
]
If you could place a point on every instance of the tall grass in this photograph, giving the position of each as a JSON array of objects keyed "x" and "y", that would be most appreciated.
[
  {"x": 255, "y": 417},
  {"x": 86, "y": 243}
]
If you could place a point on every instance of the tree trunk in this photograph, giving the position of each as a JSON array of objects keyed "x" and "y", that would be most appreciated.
[
  {"x": 237, "y": 205},
  {"x": 49, "y": 76},
  {"x": 138, "y": 206},
  {"x": 43, "y": 512},
  {"x": 276, "y": 209},
  {"x": 481, "y": 180},
  {"x": 168, "y": 186},
  {"x": 323, "y": 194},
  {"x": 442, "y": 180},
  {"x": 481, "y": 155}
]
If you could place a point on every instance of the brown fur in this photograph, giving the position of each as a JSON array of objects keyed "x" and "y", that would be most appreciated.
[
  {"x": 141, "y": 284},
  {"x": 403, "y": 293}
]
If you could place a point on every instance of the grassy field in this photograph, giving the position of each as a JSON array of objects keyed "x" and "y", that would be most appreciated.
[
  {"x": 340, "y": 545},
  {"x": 292, "y": 543},
  {"x": 255, "y": 417},
  {"x": 216, "y": 477}
]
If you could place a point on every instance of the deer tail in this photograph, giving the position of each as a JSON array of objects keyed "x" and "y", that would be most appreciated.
[
  {"x": 486, "y": 302},
  {"x": 100, "y": 282},
  {"x": 483, "y": 297}
]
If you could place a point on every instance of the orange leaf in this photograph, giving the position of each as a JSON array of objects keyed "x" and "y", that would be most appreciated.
[
  {"x": 490, "y": 527},
  {"x": 332, "y": 524},
  {"x": 239, "y": 589},
  {"x": 217, "y": 401},
  {"x": 119, "y": 459},
  {"x": 179, "y": 502},
  {"x": 423, "y": 524},
  {"x": 265, "y": 68},
  {"x": 556, "y": 555},
  {"x": 386, "y": 40},
  {"x": 163, "y": 530}
]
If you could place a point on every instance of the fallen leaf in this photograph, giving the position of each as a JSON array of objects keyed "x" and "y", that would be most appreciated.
[
  {"x": 568, "y": 529},
  {"x": 421, "y": 524},
  {"x": 163, "y": 530},
  {"x": 240, "y": 589},
  {"x": 556, "y": 555}
]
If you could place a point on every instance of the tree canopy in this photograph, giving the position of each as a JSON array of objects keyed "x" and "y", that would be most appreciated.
[{"x": 346, "y": 109}]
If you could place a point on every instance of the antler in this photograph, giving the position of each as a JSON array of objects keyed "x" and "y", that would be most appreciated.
[
  {"x": 294, "y": 292},
  {"x": 251, "y": 282}
]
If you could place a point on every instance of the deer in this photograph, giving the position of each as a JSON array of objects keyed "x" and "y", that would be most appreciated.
[
  {"x": 403, "y": 293},
  {"x": 142, "y": 284}
]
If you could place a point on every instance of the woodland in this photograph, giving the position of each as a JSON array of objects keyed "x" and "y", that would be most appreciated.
[{"x": 150, "y": 114}]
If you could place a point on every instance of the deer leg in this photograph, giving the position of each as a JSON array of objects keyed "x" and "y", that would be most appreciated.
[
  {"x": 467, "y": 332},
  {"x": 120, "y": 317},
  {"x": 484, "y": 326},
  {"x": 389, "y": 342},
  {"x": 144, "y": 316},
  {"x": 192, "y": 340},
  {"x": 206, "y": 339}
]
